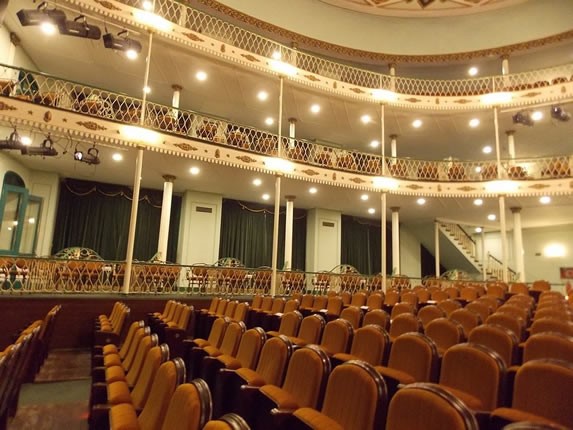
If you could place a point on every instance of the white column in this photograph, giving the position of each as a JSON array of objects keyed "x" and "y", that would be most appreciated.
[
  {"x": 483, "y": 256},
  {"x": 392, "y": 71},
  {"x": 497, "y": 146},
  {"x": 505, "y": 70},
  {"x": 437, "y": 247},
  {"x": 288, "y": 231},
  {"x": 383, "y": 241},
  {"x": 393, "y": 145},
  {"x": 291, "y": 132},
  {"x": 176, "y": 95},
  {"x": 518, "y": 243},
  {"x": 395, "y": 240},
  {"x": 165, "y": 217},
  {"x": 511, "y": 143},
  {"x": 503, "y": 232}
]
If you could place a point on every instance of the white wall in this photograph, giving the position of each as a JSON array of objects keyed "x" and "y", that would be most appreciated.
[
  {"x": 15, "y": 56},
  {"x": 323, "y": 240},
  {"x": 410, "y": 261},
  {"x": 200, "y": 230}
]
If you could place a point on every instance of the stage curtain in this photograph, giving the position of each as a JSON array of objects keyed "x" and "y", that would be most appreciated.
[
  {"x": 96, "y": 216},
  {"x": 247, "y": 234}
]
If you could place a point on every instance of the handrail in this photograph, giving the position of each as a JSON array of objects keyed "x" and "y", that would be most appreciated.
[
  {"x": 110, "y": 105},
  {"x": 496, "y": 268},
  {"x": 467, "y": 235}
]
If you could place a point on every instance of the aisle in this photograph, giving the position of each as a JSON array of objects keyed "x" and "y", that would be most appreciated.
[{"x": 59, "y": 396}]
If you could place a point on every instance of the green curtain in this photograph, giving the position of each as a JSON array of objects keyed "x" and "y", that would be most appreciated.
[
  {"x": 360, "y": 245},
  {"x": 96, "y": 216},
  {"x": 247, "y": 234}
]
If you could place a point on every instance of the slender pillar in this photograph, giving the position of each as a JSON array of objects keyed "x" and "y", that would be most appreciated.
[
  {"x": 165, "y": 217},
  {"x": 176, "y": 95},
  {"x": 392, "y": 71},
  {"x": 291, "y": 132},
  {"x": 503, "y": 231},
  {"x": 483, "y": 256},
  {"x": 518, "y": 243},
  {"x": 393, "y": 146},
  {"x": 511, "y": 143},
  {"x": 277, "y": 195},
  {"x": 505, "y": 70},
  {"x": 137, "y": 178},
  {"x": 497, "y": 147},
  {"x": 395, "y": 240},
  {"x": 384, "y": 269},
  {"x": 288, "y": 231},
  {"x": 437, "y": 247}
]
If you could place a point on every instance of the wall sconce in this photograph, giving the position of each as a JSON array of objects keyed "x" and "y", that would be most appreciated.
[
  {"x": 558, "y": 113},
  {"x": 80, "y": 28},
  {"x": 42, "y": 15},
  {"x": 90, "y": 157},
  {"x": 46, "y": 149},
  {"x": 122, "y": 43}
]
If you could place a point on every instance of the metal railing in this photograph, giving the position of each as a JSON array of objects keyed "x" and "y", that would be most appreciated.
[
  {"x": 43, "y": 89},
  {"x": 216, "y": 28}
]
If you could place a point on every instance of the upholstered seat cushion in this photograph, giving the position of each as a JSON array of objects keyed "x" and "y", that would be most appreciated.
[
  {"x": 398, "y": 375},
  {"x": 201, "y": 343},
  {"x": 229, "y": 361},
  {"x": 212, "y": 351},
  {"x": 342, "y": 356},
  {"x": 251, "y": 377},
  {"x": 516, "y": 415},
  {"x": 298, "y": 341},
  {"x": 111, "y": 360},
  {"x": 110, "y": 349},
  {"x": 217, "y": 425},
  {"x": 282, "y": 399},
  {"x": 316, "y": 420},
  {"x": 470, "y": 401},
  {"x": 118, "y": 392},
  {"x": 114, "y": 374},
  {"x": 123, "y": 417}
]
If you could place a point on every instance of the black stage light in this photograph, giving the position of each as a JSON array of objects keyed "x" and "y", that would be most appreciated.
[
  {"x": 121, "y": 42},
  {"x": 558, "y": 113},
  {"x": 42, "y": 15},
  {"x": 90, "y": 157},
  {"x": 12, "y": 142},
  {"x": 523, "y": 118},
  {"x": 46, "y": 149},
  {"x": 80, "y": 28}
]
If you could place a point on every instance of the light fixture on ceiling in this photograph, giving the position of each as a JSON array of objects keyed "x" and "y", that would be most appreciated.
[
  {"x": 269, "y": 121},
  {"x": 487, "y": 149},
  {"x": 364, "y": 197},
  {"x": 46, "y": 149},
  {"x": 312, "y": 190},
  {"x": 201, "y": 75},
  {"x": 417, "y": 123},
  {"x": 14, "y": 141},
  {"x": 262, "y": 95},
  {"x": 117, "y": 157},
  {"x": 558, "y": 113},
  {"x": 371, "y": 211},
  {"x": 194, "y": 170},
  {"x": 478, "y": 202},
  {"x": 122, "y": 43},
  {"x": 366, "y": 119},
  {"x": 257, "y": 182},
  {"x": 80, "y": 28},
  {"x": 266, "y": 196},
  {"x": 315, "y": 108},
  {"x": 89, "y": 157},
  {"x": 421, "y": 201},
  {"x": 474, "y": 122},
  {"x": 492, "y": 217},
  {"x": 472, "y": 71},
  {"x": 42, "y": 15},
  {"x": 374, "y": 144},
  {"x": 544, "y": 200},
  {"x": 478, "y": 229},
  {"x": 523, "y": 118}
]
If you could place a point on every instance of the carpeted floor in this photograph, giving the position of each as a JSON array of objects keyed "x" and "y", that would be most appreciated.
[{"x": 58, "y": 399}]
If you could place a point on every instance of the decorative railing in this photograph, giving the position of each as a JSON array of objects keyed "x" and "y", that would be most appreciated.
[
  {"x": 51, "y": 91},
  {"x": 216, "y": 28},
  {"x": 494, "y": 269},
  {"x": 462, "y": 239}
]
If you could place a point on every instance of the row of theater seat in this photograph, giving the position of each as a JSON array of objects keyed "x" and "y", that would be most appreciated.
[
  {"x": 21, "y": 361},
  {"x": 109, "y": 328}
]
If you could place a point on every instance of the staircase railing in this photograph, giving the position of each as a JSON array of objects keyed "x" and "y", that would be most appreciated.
[
  {"x": 462, "y": 238},
  {"x": 494, "y": 268}
]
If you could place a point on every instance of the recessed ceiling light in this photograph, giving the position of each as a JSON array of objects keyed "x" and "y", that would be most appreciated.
[
  {"x": 257, "y": 182},
  {"x": 474, "y": 122},
  {"x": 374, "y": 144},
  {"x": 366, "y": 119},
  {"x": 315, "y": 108},
  {"x": 147, "y": 5},
  {"x": 262, "y": 95},
  {"x": 544, "y": 200},
  {"x": 417, "y": 123},
  {"x": 117, "y": 156},
  {"x": 421, "y": 201},
  {"x": 478, "y": 229},
  {"x": 146, "y": 90},
  {"x": 536, "y": 115},
  {"x": 269, "y": 121},
  {"x": 276, "y": 55},
  {"x": 492, "y": 217},
  {"x": 472, "y": 71},
  {"x": 266, "y": 196},
  {"x": 364, "y": 197},
  {"x": 487, "y": 149},
  {"x": 478, "y": 202},
  {"x": 312, "y": 190},
  {"x": 48, "y": 28},
  {"x": 371, "y": 211},
  {"x": 194, "y": 170},
  {"x": 201, "y": 75}
]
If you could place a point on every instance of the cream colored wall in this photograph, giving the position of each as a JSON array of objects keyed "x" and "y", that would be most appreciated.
[
  {"x": 322, "y": 243},
  {"x": 421, "y": 36},
  {"x": 20, "y": 58},
  {"x": 410, "y": 263}
]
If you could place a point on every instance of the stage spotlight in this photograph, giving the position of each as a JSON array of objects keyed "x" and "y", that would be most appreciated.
[
  {"x": 46, "y": 149},
  {"x": 12, "y": 142},
  {"x": 90, "y": 157},
  {"x": 523, "y": 118},
  {"x": 80, "y": 28},
  {"x": 558, "y": 113},
  {"x": 121, "y": 42},
  {"x": 42, "y": 15}
]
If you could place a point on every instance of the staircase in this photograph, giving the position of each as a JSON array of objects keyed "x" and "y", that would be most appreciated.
[{"x": 466, "y": 245}]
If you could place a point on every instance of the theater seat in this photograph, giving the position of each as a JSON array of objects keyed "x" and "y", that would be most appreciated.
[
  {"x": 227, "y": 422},
  {"x": 429, "y": 407},
  {"x": 189, "y": 408},
  {"x": 548, "y": 345},
  {"x": 370, "y": 344},
  {"x": 310, "y": 331}
]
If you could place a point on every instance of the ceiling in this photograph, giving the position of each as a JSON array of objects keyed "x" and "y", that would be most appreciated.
[{"x": 230, "y": 92}]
